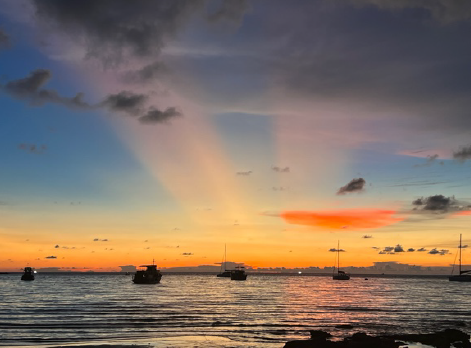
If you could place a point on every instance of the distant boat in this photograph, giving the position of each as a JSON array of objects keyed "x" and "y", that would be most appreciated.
[
  {"x": 238, "y": 274},
  {"x": 151, "y": 275},
  {"x": 225, "y": 273},
  {"x": 341, "y": 275},
  {"x": 464, "y": 276},
  {"x": 28, "y": 274}
]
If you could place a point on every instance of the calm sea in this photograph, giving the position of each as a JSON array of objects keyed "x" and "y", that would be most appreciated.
[{"x": 264, "y": 311}]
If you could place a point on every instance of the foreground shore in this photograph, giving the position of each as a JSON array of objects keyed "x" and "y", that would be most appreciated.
[{"x": 442, "y": 339}]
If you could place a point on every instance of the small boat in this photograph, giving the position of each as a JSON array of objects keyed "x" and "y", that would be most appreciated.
[
  {"x": 151, "y": 275},
  {"x": 225, "y": 273},
  {"x": 463, "y": 276},
  {"x": 28, "y": 274},
  {"x": 238, "y": 274},
  {"x": 341, "y": 275}
]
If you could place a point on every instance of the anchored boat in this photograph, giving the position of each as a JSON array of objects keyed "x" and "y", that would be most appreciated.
[
  {"x": 463, "y": 276},
  {"x": 151, "y": 275},
  {"x": 28, "y": 274}
]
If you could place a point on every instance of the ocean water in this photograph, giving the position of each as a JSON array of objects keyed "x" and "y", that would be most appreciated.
[{"x": 264, "y": 311}]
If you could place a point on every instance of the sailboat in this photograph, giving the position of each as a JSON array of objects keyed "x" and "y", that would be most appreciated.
[
  {"x": 464, "y": 276},
  {"x": 225, "y": 273},
  {"x": 341, "y": 275}
]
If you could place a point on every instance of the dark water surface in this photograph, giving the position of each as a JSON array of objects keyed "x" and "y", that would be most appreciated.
[{"x": 264, "y": 311}]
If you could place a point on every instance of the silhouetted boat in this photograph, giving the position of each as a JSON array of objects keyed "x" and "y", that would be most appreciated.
[
  {"x": 28, "y": 274},
  {"x": 225, "y": 273},
  {"x": 238, "y": 274},
  {"x": 151, "y": 275},
  {"x": 341, "y": 275},
  {"x": 464, "y": 276}
]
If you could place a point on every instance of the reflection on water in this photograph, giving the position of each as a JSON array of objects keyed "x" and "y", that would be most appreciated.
[{"x": 264, "y": 310}]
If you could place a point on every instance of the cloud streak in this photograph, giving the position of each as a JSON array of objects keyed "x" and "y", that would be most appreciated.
[{"x": 342, "y": 219}]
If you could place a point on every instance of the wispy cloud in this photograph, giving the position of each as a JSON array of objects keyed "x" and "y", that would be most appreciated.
[
  {"x": 280, "y": 169},
  {"x": 247, "y": 173},
  {"x": 4, "y": 40},
  {"x": 431, "y": 159},
  {"x": 33, "y": 148}
]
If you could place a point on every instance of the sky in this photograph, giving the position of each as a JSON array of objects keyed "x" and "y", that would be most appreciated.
[{"x": 141, "y": 130}]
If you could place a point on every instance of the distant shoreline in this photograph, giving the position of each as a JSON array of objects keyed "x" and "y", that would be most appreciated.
[{"x": 275, "y": 274}]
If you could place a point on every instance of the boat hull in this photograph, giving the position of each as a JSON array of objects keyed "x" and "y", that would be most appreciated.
[
  {"x": 140, "y": 280},
  {"x": 460, "y": 278},
  {"x": 27, "y": 277},
  {"x": 225, "y": 274},
  {"x": 341, "y": 277},
  {"x": 235, "y": 275}
]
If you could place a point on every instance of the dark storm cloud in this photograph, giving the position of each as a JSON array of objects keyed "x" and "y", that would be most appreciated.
[
  {"x": 154, "y": 115},
  {"x": 110, "y": 30},
  {"x": 280, "y": 169},
  {"x": 445, "y": 11},
  {"x": 30, "y": 90},
  {"x": 4, "y": 40},
  {"x": 33, "y": 148},
  {"x": 438, "y": 204},
  {"x": 435, "y": 251},
  {"x": 377, "y": 61},
  {"x": 356, "y": 185},
  {"x": 127, "y": 102},
  {"x": 463, "y": 154},
  {"x": 335, "y": 250}
]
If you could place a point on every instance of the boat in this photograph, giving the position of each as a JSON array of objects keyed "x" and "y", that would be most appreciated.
[
  {"x": 341, "y": 275},
  {"x": 151, "y": 275},
  {"x": 238, "y": 274},
  {"x": 225, "y": 273},
  {"x": 463, "y": 276},
  {"x": 28, "y": 274}
]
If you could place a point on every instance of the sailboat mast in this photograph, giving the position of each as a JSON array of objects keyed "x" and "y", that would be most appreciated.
[
  {"x": 460, "y": 254},
  {"x": 225, "y": 259},
  {"x": 338, "y": 256}
]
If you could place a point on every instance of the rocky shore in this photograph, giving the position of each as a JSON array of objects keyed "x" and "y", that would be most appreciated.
[{"x": 442, "y": 339}]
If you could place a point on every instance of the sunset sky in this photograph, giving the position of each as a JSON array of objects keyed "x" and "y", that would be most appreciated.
[{"x": 140, "y": 130}]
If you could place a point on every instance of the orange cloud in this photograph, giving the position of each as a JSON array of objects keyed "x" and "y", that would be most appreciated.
[{"x": 340, "y": 219}]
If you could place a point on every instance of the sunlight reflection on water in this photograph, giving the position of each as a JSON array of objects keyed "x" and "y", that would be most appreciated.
[{"x": 66, "y": 308}]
